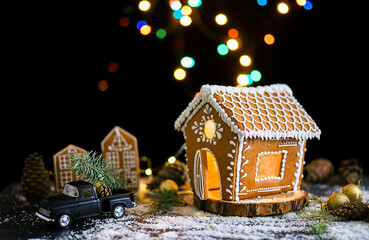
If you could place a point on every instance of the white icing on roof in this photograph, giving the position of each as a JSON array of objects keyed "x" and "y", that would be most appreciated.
[{"x": 267, "y": 112}]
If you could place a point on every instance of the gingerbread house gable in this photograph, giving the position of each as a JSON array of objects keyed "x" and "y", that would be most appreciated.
[
  {"x": 62, "y": 172},
  {"x": 249, "y": 140},
  {"x": 120, "y": 147}
]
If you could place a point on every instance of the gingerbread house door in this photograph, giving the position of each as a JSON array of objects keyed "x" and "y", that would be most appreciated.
[{"x": 206, "y": 174}]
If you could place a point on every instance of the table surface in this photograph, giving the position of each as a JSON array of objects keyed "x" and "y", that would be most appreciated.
[{"x": 17, "y": 221}]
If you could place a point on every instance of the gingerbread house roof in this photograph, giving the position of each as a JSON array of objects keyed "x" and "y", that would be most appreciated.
[{"x": 269, "y": 112}]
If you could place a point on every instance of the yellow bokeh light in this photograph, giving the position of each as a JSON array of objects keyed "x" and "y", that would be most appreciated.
[
  {"x": 301, "y": 2},
  {"x": 269, "y": 39},
  {"x": 186, "y": 10},
  {"x": 185, "y": 21},
  {"x": 242, "y": 79},
  {"x": 245, "y": 60},
  {"x": 144, "y": 5},
  {"x": 283, "y": 8},
  {"x": 232, "y": 44},
  {"x": 172, "y": 159},
  {"x": 179, "y": 74},
  {"x": 148, "y": 171},
  {"x": 145, "y": 30},
  {"x": 221, "y": 19}
]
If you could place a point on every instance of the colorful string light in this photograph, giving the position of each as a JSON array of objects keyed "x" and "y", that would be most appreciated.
[{"x": 182, "y": 11}]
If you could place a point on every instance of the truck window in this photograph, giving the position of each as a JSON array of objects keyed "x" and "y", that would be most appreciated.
[
  {"x": 87, "y": 192},
  {"x": 70, "y": 190}
]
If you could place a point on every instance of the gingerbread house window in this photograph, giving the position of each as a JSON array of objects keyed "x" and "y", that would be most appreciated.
[
  {"x": 114, "y": 158},
  {"x": 209, "y": 129},
  {"x": 270, "y": 165}
]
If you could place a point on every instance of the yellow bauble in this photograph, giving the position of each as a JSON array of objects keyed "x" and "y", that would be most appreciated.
[
  {"x": 169, "y": 185},
  {"x": 353, "y": 192},
  {"x": 336, "y": 200}
]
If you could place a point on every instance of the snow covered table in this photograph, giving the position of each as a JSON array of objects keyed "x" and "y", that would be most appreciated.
[{"x": 182, "y": 223}]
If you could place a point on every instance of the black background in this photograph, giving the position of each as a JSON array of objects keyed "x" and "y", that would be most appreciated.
[{"x": 55, "y": 53}]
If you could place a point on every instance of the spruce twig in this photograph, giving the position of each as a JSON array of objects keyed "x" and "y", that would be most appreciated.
[
  {"x": 92, "y": 168},
  {"x": 165, "y": 200}
]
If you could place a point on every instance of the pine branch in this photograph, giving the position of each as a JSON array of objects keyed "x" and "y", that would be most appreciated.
[
  {"x": 165, "y": 200},
  {"x": 95, "y": 170}
]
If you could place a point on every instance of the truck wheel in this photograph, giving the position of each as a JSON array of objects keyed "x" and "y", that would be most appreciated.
[
  {"x": 118, "y": 211},
  {"x": 64, "y": 220}
]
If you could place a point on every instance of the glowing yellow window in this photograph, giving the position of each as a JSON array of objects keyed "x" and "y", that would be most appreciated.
[{"x": 209, "y": 129}]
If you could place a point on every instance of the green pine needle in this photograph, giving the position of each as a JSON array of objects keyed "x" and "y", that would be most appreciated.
[
  {"x": 165, "y": 200},
  {"x": 319, "y": 227},
  {"x": 92, "y": 168}
]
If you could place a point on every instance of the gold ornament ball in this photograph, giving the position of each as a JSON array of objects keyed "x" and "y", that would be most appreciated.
[
  {"x": 336, "y": 200},
  {"x": 353, "y": 192},
  {"x": 169, "y": 185}
]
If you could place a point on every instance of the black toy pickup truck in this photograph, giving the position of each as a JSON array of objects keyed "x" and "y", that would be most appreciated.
[{"x": 80, "y": 200}]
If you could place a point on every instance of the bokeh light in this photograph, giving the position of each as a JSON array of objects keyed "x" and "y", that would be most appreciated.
[
  {"x": 185, "y": 21},
  {"x": 175, "y": 5},
  {"x": 148, "y": 172},
  {"x": 187, "y": 62},
  {"x": 255, "y": 75},
  {"x": 245, "y": 60},
  {"x": 232, "y": 44},
  {"x": 222, "y": 49},
  {"x": 172, "y": 159},
  {"x": 269, "y": 39},
  {"x": 145, "y": 30},
  {"x": 161, "y": 33},
  {"x": 186, "y": 10},
  {"x": 112, "y": 67},
  {"x": 179, "y": 74},
  {"x": 233, "y": 33},
  {"x": 194, "y": 3},
  {"x": 221, "y": 19},
  {"x": 144, "y": 5},
  {"x": 103, "y": 85},
  {"x": 177, "y": 14},
  {"x": 124, "y": 21},
  {"x": 262, "y": 2},
  {"x": 308, "y": 5},
  {"x": 282, "y": 8},
  {"x": 140, "y": 24},
  {"x": 243, "y": 80},
  {"x": 301, "y": 2}
]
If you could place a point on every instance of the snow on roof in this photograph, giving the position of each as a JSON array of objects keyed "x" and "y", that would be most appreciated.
[{"x": 269, "y": 112}]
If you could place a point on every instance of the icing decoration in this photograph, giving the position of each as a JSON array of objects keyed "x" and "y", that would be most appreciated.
[
  {"x": 283, "y": 164},
  {"x": 200, "y": 127},
  {"x": 269, "y": 112}
]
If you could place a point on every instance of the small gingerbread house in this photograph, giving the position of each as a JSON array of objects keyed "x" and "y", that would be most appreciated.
[
  {"x": 245, "y": 142},
  {"x": 62, "y": 172},
  {"x": 120, "y": 147}
]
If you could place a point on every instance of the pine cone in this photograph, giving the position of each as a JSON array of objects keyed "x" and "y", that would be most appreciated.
[
  {"x": 352, "y": 211},
  {"x": 104, "y": 191},
  {"x": 350, "y": 170},
  {"x": 35, "y": 180},
  {"x": 176, "y": 171},
  {"x": 319, "y": 170}
]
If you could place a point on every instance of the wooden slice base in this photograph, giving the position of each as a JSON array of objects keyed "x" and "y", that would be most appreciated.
[{"x": 261, "y": 206}]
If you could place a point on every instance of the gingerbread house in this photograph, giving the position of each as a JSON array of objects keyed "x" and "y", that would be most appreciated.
[
  {"x": 120, "y": 147},
  {"x": 62, "y": 172},
  {"x": 245, "y": 142}
]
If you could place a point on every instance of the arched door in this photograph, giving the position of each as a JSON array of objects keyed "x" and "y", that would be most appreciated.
[
  {"x": 198, "y": 179},
  {"x": 206, "y": 175}
]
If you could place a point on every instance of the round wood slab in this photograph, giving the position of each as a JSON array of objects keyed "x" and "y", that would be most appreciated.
[{"x": 259, "y": 206}]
